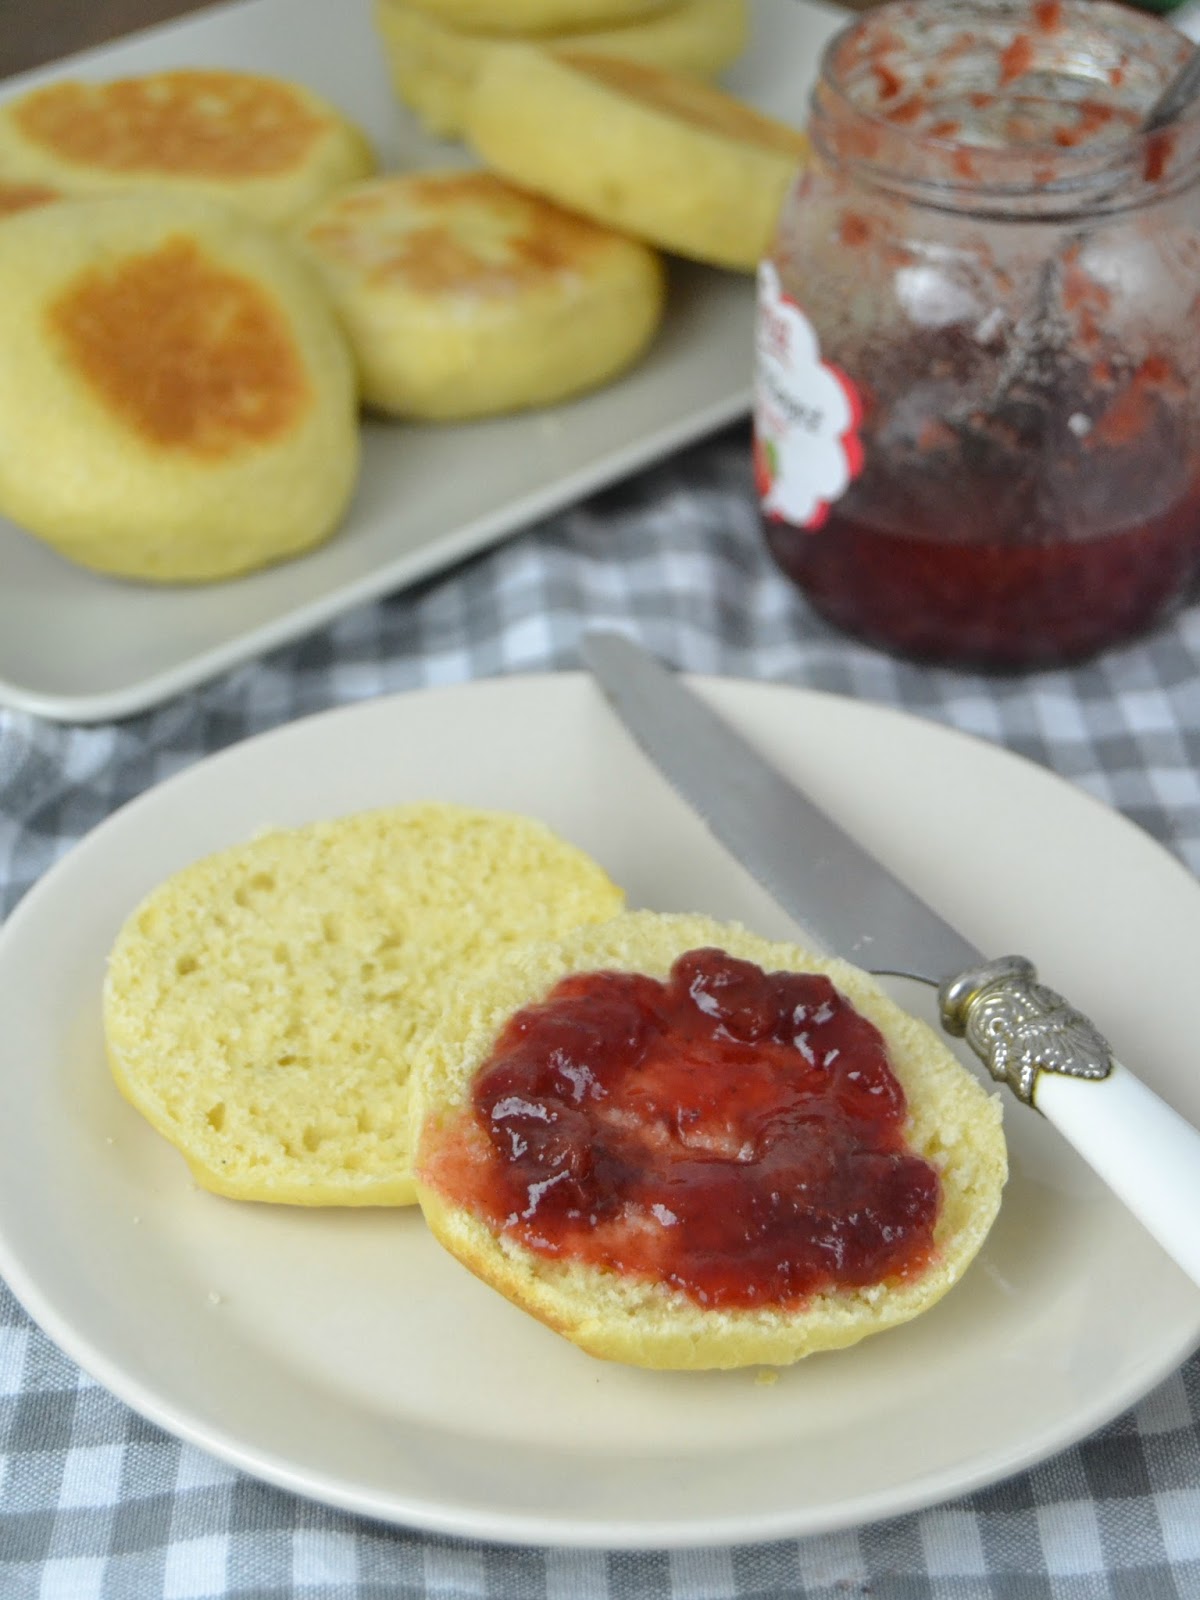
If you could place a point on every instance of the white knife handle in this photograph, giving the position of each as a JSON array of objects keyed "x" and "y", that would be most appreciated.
[
  {"x": 1145, "y": 1151},
  {"x": 1053, "y": 1058}
]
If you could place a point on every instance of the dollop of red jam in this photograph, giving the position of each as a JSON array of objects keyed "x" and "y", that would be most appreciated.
[{"x": 732, "y": 1132}]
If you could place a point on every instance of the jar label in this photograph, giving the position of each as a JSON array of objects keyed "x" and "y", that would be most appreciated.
[{"x": 807, "y": 414}]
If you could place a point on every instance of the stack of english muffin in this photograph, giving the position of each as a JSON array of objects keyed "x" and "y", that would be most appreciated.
[
  {"x": 436, "y": 49},
  {"x": 178, "y": 401},
  {"x": 203, "y": 277}
]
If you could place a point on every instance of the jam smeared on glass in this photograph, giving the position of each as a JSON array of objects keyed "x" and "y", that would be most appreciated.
[{"x": 734, "y": 1133}]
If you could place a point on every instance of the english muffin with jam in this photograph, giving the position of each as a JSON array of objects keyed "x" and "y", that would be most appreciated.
[
  {"x": 654, "y": 153},
  {"x": 434, "y": 68},
  {"x": 177, "y": 401},
  {"x": 266, "y": 145},
  {"x": 463, "y": 296},
  {"x": 683, "y": 1146}
]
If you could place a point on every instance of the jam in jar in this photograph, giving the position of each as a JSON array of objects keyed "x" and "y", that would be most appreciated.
[{"x": 977, "y": 398}]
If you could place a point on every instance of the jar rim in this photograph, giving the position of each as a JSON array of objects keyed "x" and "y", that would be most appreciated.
[{"x": 1055, "y": 174}]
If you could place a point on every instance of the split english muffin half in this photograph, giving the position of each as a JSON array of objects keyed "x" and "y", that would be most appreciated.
[
  {"x": 262, "y": 1007},
  {"x": 714, "y": 1126}
]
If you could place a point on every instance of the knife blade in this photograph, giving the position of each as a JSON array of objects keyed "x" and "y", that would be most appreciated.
[{"x": 1029, "y": 1038}]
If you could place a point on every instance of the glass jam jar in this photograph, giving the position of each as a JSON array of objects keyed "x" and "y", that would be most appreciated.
[{"x": 977, "y": 395}]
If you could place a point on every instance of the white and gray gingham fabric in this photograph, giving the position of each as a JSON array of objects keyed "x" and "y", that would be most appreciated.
[{"x": 96, "y": 1504}]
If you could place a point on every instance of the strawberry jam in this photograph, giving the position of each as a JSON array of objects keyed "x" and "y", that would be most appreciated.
[
  {"x": 732, "y": 1132},
  {"x": 988, "y": 600}
]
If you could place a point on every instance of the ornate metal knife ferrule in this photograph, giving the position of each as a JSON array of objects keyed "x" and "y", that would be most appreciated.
[{"x": 1019, "y": 1028}]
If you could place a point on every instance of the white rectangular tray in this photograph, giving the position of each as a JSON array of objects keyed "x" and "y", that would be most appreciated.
[{"x": 81, "y": 648}]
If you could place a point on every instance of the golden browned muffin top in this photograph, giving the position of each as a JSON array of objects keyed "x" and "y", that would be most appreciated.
[
  {"x": 192, "y": 356},
  {"x": 438, "y": 233},
  {"x": 199, "y": 124}
]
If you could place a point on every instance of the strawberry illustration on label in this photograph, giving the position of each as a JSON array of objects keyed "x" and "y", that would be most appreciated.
[{"x": 807, "y": 414}]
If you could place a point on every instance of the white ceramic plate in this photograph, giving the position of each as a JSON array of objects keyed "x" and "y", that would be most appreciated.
[
  {"x": 78, "y": 647},
  {"x": 344, "y": 1356}
]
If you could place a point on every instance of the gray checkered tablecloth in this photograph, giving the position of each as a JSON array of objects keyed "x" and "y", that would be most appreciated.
[{"x": 96, "y": 1504}]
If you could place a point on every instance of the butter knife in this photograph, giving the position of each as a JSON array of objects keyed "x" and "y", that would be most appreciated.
[{"x": 1049, "y": 1054}]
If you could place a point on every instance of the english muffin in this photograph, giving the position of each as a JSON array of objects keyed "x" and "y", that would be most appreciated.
[
  {"x": 682, "y": 1146},
  {"x": 434, "y": 68},
  {"x": 262, "y": 1007},
  {"x": 268, "y": 146},
  {"x": 655, "y": 154},
  {"x": 463, "y": 296},
  {"x": 519, "y": 17},
  {"x": 177, "y": 401}
]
